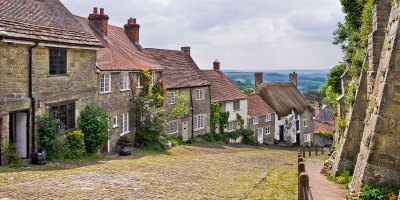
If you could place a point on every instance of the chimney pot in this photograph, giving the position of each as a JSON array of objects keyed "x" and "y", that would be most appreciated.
[
  {"x": 216, "y": 65},
  {"x": 258, "y": 78},
  {"x": 95, "y": 10},
  {"x": 293, "y": 78},
  {"x": 100, "y": 22},
  {"x": 101, "y": 11},
  {"x": 186, "y": 50}
]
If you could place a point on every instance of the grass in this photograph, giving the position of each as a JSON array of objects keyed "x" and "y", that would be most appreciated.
[{"x": 198, "y": 171}]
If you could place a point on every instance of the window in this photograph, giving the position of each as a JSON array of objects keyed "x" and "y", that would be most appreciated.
[
  {"x": 105, "y": 83},
  {"x": 115, "y": 122},
  {"x": 296, "y": 116},
  {"x": 138, "y": 81},
  {"x": 198, "y": 121},
  {"x": 279, "y": 117},
  {"x": 57, "y": 61},
  {"x": 255, "y": 120},
  {"x": 236, "y": 105},
  {"x": 124, "y": 81},
  {"x": 305, "y": 123},
  {"x": 232, "y": 126},
  {"x": 66, "y": 113},
  {"x": 153, "y": 78},
  {"x": 172, "y": 127},
  {"x": 268, "y": 117},
  {"x": 267, "y": 130},
  {"x": 170, "y": 98},
  {"x": 124, "y": 124},
  {"x": 199, "y": 94},
  {"x": 223, "y": 107}
]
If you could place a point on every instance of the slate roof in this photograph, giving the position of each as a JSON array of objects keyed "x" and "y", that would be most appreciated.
[
  {"x": 222, "y": 89},
  {"x": 283, "y": 98},
  {"x": 180, "y": 70},
  {"x": 326, "y": 115},
  {"x": 257, "y": 106},
  {"x": 44, "y": 21},
  {"x": 119, "y": 53}
]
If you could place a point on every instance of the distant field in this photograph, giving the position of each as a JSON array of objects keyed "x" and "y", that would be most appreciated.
[{"x": 307, "y": 79}]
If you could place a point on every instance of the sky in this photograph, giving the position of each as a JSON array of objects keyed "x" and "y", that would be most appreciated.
[{"x": 242, "y": 35}]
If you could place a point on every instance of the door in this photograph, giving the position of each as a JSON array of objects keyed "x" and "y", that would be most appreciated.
[
  {"x": 19, "y": 132},
  {"x": 281, "y": 136},
  {"x": 260, "y": 136},
  {"x": 185, "y": 131}
]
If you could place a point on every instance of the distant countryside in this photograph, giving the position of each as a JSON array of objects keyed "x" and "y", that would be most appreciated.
[{"x": 307, "y": 79}]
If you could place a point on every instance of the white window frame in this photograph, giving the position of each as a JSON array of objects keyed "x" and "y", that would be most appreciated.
[
  {"x": 304, "y": 122},
  {"x": 153, "y": 78},
  {"x": 268, "y": 117},
  {"x": 198, "y": 122},
  {"x": 238, "y": 103},
  {"x": 171, "y": 97},
  {"x": 255, "y": 120},
  {"x": 172, "y": 127},
  {"x": 124, "y": 123},
  {"x": 258, "y": 131},
  {"x": 115, "y": 122},
  {"x": 138, "y": 81},
  {"x": 199, "y": 94},
  {"x": 232, "y": 126},
  {"x": 105, "y": 83},
  {"x": 267, "y": 130},
  {"x": 124, "y": 81}
]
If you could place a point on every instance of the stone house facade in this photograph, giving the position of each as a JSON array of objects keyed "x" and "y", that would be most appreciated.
[
  {"x": 51, "y": 70},
  {"x": 293, "y": 119},
  {"x": 230, "y": 97},
  {"x": 261, "y": 119},
  {"x": 184, "y": 83},
  {"x": 118, "y": 66}
]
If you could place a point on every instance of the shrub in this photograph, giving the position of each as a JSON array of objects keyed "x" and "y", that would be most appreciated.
[
  {"x": 94, "y": 123},
  {"x": 176, "y": 141},
  {"x": 14, "y": 159},
  {"x": 249, "y": 137},
  {"x": 75, "y": 145},
  {"x": 344, "y": 178},
  {"x": 378, "y": 192},
  {"x": 154, "y": 145},
  {"x": 124, "y": 141},
  {"x": 51, "y": 137}
]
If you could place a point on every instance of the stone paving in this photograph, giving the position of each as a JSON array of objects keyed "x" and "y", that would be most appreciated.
[{"x": 184, "y": 172}]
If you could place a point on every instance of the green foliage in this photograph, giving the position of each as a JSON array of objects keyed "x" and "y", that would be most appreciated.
[
  {"x": 154, "y": 145},
  {"x": 124, "y": 141},
  {"x": 344, "y": 178},
  {"x": 176, "y": 141},
  {"x": 249, "y": 137},
  {"x": 93, "y": 122},
  {"x": 75, "y": 144},
  {"x": 379, "y": 192},
  {"x": 334, "y": 79},
  {"x": 325, "y": 134},
  {"x": 156, "y": 91},
  {"x": 315, "y": 95},
  {"x": 14, "y": 159},
  {"x": 181, "y": 108},
  {"x": 240, "y": 121},
  {"x": 214, "y": 116},
  {"x": 223, "y": 121},
  {"x": 145, "y": 80},
  {"x": 51, "y": 137},
  {"x": 248, "y": 90}
]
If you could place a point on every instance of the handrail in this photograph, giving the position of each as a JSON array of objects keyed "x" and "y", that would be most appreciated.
[{"x": 304, "y": 191}]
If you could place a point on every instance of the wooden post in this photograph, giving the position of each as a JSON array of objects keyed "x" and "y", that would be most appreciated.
[
  {"x": 322, "y": 150},
  {"x": 304, "y": 152},
  {"x": 301, "y": 168},
  {"x": 309, "y": 151},
  {"x": 303, "y": 183},
  {"x": 316, "y": 150}
]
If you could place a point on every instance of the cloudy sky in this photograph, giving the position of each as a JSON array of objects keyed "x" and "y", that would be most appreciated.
[{"x": 250, "y": 34}]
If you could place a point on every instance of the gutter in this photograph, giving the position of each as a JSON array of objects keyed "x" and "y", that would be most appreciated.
[
  {"x": 33, "y": 121},
  {"x": 191, "y": 105}
]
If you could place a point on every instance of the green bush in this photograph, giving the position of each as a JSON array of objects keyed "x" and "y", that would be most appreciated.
[
  {"x": 344, "y": 178},
  {"x": 154, "y": 145},
  {"x": 124, "y": 141},
  {"x": 249, "y": 137},
  {"x": 94, "y": 123},
  {"x": 14, "y": 159},
  {"x": 378, "y": 192},
  {"x": 51, "y": 137},
  {"x": 176, "y": 141},
  {"x": 75, "y": 145}
]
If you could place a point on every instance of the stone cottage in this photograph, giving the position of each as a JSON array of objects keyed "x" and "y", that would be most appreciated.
[
  {"x": 323, "y": 123},
  {"x": 230, "y": 97},
  {"x": 293, "y": 119},
  {"x": 48, "y": 63},
  {"x": 184, "y": 83},
  {"x": 261, "y": 119},
  {"x": 118, "y": 65}
]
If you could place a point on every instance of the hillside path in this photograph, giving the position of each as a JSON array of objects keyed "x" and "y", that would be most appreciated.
[{"x": 321, "y": 188}]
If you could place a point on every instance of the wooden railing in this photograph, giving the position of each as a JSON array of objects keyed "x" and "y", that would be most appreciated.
[{"x": 303, "y": 190}]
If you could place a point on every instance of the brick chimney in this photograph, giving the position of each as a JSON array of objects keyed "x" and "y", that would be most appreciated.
[
  {"x": 99, "y": 21},
  {"x": 258, "y": 78},
  {"x": 186, "y": 50},
  {"x": 132, "y": 30},
  {"x": 216, "y": 65},
  {"x": 293, "y": 78},
  {"x": 317, "y": 109}
]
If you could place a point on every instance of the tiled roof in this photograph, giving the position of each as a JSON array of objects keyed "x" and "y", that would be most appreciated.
[
  {"x": 222, "y": 89},
  {"x": 257, "y": 106},
  {"x": 283, "y": 98},
  {"x": 43, "y": 21},
  {"x": 321, "y": 126},
  {"x": 180, "y": 70},
  {"x": 119, "y": 53}
]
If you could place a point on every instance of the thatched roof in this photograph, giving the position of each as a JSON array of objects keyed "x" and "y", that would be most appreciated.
[{"x": 283, "y": 98}]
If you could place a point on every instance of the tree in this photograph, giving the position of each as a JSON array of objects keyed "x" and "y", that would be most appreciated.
[
  {"x": 334, "y": 78},
  {"x": 248, "y": 90}
]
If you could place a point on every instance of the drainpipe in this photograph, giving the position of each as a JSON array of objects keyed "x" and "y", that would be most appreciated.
[
  {"x": 191, "y": 105},
  {"x": 31, "y": 95}
]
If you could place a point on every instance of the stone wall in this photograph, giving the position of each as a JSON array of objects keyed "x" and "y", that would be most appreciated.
[
  {"x": 309, "y": 128},
  {"x": 262, "y": 123}
]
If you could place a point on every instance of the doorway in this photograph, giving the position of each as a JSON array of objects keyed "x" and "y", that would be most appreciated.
[
  {"x": 19, "y": 132},
  {"x": 185, "y": 131},
  {"x": 281, "y": 131},
  {"x": 260, "y": 136}
]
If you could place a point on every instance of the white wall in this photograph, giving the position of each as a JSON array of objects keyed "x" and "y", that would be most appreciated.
[
  {"x": 287, "y": 132},
  {"x": 232, "y": 113}
]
